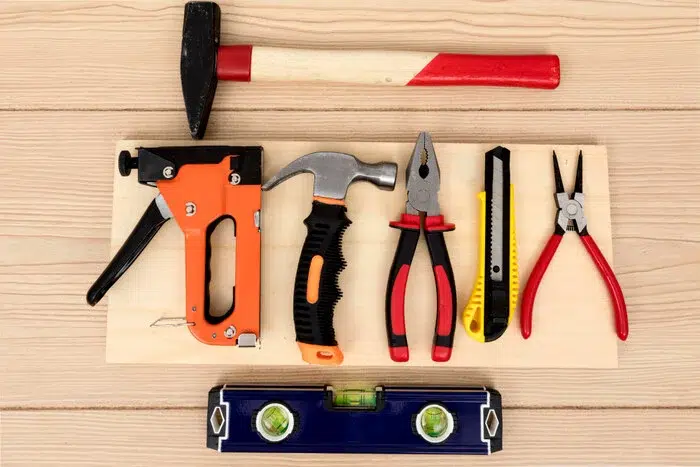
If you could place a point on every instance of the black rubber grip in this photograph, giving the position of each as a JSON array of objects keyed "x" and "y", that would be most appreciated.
[
  {"x": 440, "y": 257},
  {"x": 313, "y": 322},
  {"x": 146, "y": 228},
  {"x": 405, "y": 249}
]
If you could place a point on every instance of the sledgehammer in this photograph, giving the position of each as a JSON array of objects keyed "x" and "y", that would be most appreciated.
[{"x": 204, "y": 62}]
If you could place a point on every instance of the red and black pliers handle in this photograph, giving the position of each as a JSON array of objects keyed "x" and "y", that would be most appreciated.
[
  {"x": 533, "y": 283},
  {"x": 434, "y": 227},
  {"x": 571, "y": 211}
]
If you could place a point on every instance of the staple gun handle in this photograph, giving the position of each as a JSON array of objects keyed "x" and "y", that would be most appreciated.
[{"x": 156, "y": 214}]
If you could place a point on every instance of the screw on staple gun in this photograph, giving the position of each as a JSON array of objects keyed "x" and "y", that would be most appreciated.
[{"x": 200, "y": 186}]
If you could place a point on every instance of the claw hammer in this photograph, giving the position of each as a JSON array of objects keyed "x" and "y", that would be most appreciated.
[
  {"x": 204, "y": 61},
  {"x": 316, "y": 288}
]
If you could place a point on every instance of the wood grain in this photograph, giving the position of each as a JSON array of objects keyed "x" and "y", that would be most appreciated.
[
  {"x": 125, "y": 55},
  {"x": 51, "y": 338},
  {"x": 176, "y": 437},
  {"x": 369, "y": 67},
  {"x": 55, "y": 202}
]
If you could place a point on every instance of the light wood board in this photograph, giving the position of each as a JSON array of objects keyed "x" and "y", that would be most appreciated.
[{"x": 572, "y": 308}]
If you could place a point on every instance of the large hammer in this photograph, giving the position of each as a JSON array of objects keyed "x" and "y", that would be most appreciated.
[
  {"x": 316, "y": 288},
  {"x": 204, "y": 62}
]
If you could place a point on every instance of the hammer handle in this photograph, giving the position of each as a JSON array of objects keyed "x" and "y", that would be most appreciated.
[
  {"x": 393, "y": 68},
  {"x": 316, "y": 289}
]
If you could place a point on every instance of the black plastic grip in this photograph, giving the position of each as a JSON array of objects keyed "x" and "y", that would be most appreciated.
[
  {"x": 144, "y": 231},
  {"x": 497, "y": 293},
  {"x": 313, "y": 322},
  {"x": 447, "y": 315},
  {"x": 396, "y": 291}
]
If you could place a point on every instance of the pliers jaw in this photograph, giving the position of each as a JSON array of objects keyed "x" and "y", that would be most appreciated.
[
  {"x": 570, "y": 213},
  {"x": 423, "y": 178}
]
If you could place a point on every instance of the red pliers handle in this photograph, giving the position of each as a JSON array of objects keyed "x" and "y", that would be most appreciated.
[
  {"x": 533, "y": 283},
  {"x": 434, "y": 227}
]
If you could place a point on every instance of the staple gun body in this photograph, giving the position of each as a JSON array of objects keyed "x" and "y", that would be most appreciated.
[{"x": 200, "y": 186}]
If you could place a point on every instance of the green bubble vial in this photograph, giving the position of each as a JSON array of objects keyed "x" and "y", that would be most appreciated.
[
  {"x": 274, "y": 422},
  {"x": 355, "y": 398},
  {"x": 434, "y": 423}
]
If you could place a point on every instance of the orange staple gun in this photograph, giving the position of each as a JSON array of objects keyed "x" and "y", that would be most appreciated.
[{"x": 200, "y": 186}]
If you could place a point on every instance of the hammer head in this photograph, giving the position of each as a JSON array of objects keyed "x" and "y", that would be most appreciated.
[
  {"x": 335, "y": 171},
  {"x": 200, "y": 44}
]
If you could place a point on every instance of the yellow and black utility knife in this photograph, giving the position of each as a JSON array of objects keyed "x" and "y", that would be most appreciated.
[{"x": 495, "y": 294}]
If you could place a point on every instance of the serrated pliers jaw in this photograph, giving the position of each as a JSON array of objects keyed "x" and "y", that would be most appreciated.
[{"x": 423, "y": 178}]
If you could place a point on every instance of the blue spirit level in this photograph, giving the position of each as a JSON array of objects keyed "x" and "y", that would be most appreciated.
[{"x": 380, "y": 420}]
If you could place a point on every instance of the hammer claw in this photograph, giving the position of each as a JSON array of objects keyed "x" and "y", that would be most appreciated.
[{"x": 297, "y": 166}]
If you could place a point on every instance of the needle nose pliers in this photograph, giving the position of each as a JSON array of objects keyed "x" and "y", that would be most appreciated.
[
  {"x": 571, "y": 216},
  {"x": 422, "y": 210}
]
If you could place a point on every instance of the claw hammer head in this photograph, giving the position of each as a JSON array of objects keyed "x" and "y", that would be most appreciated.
[
  {"x": 200, "y": 45},
  {"x": 334, "y": 172}
]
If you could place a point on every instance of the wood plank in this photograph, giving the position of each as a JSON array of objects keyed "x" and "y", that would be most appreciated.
[
  {"x": 655, "y": 142},
  {"x": 559, "y": 340},
  {"x": 50, "y": 338},
  {"x": 125, "y": 55},
  {"x": 531, "y": 437}
]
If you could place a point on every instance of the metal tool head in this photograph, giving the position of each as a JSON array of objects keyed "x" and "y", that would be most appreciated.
[
  {"x": 423, "y": 178},
  {"x": 334, "y": 172},
  {"x": 200, "y": 44},
  {"x": 570, "y": 214}
]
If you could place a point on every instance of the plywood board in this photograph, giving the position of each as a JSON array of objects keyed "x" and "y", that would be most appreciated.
[{"x": 573, "y": 324}]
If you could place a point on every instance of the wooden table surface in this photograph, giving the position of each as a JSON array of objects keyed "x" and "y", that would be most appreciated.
[{"x": 77, "y": 76}]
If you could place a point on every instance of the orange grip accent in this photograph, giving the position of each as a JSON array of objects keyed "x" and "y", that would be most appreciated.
[
  {"x": 314, "y": 280},
  {"x": 324, "y": 200},
  {"x": 321, "y": 354},
  {"x": 207, "y": 187}
]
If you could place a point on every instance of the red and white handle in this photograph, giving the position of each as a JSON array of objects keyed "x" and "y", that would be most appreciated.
[{"x": 392, "y": 68}]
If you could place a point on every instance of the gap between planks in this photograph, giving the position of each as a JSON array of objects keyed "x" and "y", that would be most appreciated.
[
  {"x": 360, "y": 110},
  {"x": 137, "y": 408}
]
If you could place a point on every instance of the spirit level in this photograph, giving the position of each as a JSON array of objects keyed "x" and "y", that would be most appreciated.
[{"x": 381, "y": 420}]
